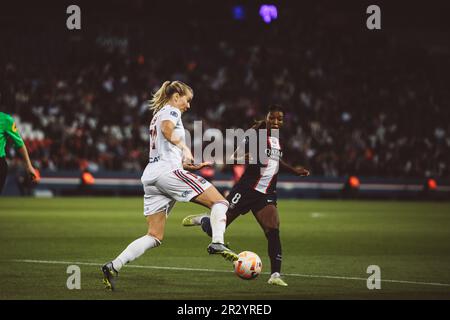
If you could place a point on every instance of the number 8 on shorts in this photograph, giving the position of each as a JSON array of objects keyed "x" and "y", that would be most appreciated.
[{"x": 236, "y": 198}]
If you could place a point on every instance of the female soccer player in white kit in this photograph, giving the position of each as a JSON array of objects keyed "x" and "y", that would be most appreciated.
[{"x": 165, "y": 181}]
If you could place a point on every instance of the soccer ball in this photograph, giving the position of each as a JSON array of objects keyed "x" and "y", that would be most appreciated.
[{"x": 248, "y": 266}]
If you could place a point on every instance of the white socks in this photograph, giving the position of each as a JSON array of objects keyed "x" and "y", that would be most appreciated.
[
  {"x": 219, "y": 220},
  {"x": 139, "y": 246},
  {"x": 135, "y": 250}
]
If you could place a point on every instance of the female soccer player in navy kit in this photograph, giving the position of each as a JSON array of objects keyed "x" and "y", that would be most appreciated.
[{"x": 256, "y": 191}]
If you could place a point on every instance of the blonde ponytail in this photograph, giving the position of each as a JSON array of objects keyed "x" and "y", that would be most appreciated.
[
  {"x": 163, "y": 95},
  {"x": 159, "y": 98}
]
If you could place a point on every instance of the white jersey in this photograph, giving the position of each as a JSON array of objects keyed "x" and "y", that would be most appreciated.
[{"x": 164, "y": 156}]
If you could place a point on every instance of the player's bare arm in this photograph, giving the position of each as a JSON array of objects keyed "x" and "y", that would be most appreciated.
[
  {"x": 167, "y": 128},
  {"x": 194, "y": 167},
  {"x": 29, "y": 167},
  {"x": 297, "y": 170}
]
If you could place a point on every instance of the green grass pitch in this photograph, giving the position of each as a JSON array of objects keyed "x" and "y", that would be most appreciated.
[{"x": 327, "y": 247}]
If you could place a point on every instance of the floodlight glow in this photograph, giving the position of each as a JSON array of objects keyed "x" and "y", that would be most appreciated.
[
  {"x": 238, "y": 13},
  {"x": 268, "y": 12}
]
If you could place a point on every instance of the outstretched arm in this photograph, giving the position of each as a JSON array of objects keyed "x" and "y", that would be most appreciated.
[{"x": 298, "y": 170}]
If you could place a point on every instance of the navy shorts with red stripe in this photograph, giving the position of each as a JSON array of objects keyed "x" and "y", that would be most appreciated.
[{"x": 243, "y": 198}]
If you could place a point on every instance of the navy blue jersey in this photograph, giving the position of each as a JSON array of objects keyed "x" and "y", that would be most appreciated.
[{"x": 262, "y": 176}]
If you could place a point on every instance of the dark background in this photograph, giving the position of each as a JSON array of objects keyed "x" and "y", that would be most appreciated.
[{"x": 369, "y": 103}]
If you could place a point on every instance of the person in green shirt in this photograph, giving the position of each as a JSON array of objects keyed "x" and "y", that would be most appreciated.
[{"x": 8, "y": 129}]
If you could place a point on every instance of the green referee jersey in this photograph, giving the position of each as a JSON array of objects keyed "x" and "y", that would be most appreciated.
[{"x": 8, "y": 129}]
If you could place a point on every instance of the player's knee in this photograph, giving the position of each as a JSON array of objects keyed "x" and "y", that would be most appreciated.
[
  {"x": 206, "y": 226},
  {"x": 223, "y": 202},
  {"x": 271, "y": 223},
  {"x": 270, "y": 226}
]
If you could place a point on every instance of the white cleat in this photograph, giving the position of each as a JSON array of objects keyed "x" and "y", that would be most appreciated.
[{"x": 276, "y": 280}]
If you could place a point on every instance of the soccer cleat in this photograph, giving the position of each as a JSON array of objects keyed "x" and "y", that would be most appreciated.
[
  {"x": 109, "y": 276},
  {"x": 276, "y": 280},
  {"x": 224, "y": 251},
  {"x": 194, "y": 220}
]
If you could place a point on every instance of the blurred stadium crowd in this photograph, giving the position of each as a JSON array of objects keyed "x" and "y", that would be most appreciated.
[{"x": 356, "y": 103}]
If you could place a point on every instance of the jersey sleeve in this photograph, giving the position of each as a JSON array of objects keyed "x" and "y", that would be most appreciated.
[
  {"x": 11, "y": 131},
  {"x": 171, "y": 114}
]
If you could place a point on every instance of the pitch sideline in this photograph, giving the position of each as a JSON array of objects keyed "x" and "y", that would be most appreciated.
[{"x": 224, "y": 271}]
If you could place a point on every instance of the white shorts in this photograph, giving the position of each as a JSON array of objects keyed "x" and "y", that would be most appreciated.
[{"x": 178, "y": 185}]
